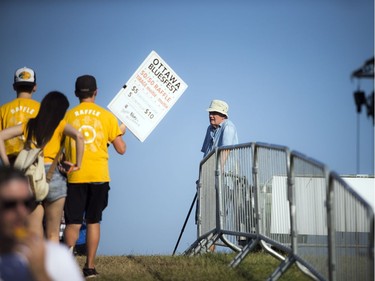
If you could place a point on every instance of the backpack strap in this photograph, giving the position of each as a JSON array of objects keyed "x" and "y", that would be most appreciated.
[{"x": 54, "y": 163}]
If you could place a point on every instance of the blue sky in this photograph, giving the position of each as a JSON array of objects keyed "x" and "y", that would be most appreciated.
[{"x": 283, "y": 67}]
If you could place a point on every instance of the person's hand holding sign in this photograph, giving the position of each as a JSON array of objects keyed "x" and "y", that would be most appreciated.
[{"x": 123, "y": 128}]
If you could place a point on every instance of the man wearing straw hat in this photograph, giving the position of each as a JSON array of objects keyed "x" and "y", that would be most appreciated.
[{"x": 221, "y": 131}]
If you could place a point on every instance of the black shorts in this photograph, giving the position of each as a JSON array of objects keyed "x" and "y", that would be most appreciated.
[{"x": 85, "y": 200}]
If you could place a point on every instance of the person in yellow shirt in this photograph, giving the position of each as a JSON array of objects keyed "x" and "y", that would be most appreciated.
[
  {"x": 88, "y": 188},
  {"x": 46, "y": 131},
  {"x": 20, "y": 109}
]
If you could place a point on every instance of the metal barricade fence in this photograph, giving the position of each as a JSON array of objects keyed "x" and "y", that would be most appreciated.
[
  {"x": 262, "y": 193},
  {"x": 353, "y": 221},
  {"x": 206, "y": 213},
  {"x": 310, "y": 192},
  {"x": 273, "y": 205},
  {"x": 236, "y": 220}
]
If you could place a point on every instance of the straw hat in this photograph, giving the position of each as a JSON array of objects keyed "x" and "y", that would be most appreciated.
[{"x": 219, "y": 106}]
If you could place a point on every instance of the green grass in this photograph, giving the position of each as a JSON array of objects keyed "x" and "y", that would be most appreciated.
[{"x": 207, "y": 267}]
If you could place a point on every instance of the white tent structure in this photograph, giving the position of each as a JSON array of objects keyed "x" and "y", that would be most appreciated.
[{"x": 364, "y": 185}]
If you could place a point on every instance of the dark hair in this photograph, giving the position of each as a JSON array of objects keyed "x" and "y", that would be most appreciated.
[
  {"x": 52, "y": 110},
  {"x": 84, "y": 95},
  {"x": 24, "y": 87},
  {"x": 8, "y": 173}
]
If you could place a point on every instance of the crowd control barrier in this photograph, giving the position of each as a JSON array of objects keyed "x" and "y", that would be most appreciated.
[{"x": 261, "y": 194}]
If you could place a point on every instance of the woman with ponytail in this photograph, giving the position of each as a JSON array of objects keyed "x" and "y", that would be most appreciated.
[{"x": 47, "y": 131}]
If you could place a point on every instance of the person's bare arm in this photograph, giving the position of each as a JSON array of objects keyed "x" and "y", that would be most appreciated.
[
  {"x": 7, "y": 134},
  {"x": 119, "y": 145},
  {"x": 70, "y": 131}
]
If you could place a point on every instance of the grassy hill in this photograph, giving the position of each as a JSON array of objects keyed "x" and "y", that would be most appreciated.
[{"x": 208, "y": 267}]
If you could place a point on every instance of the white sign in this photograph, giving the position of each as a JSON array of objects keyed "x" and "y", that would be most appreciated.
[{"x": 147, "y": 96}]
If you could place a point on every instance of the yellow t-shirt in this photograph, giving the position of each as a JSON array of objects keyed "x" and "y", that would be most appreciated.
[
  {"x": 51, "y": 149},
  {"x": 14, "y": 113},
  {"x": 98, "y": 126}
]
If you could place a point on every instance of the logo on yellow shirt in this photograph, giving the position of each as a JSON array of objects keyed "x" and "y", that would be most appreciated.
[{"x": 88, "y": 132}]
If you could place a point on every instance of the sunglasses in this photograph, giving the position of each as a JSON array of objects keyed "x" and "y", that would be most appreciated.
[{"x": 28, "y": 203}]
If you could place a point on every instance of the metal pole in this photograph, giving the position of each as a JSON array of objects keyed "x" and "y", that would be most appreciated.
[
  {"x": 186, "y": 220},
  {"x": 358, "y": 139},
  {"x": 331, "y": 227}
]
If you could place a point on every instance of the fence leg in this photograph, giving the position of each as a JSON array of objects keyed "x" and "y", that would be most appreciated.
[
  {"x": 202, "y": 245},
  {"x": 186, "y": 220},
  {"x": 243, "y": 253},
  {"x": 282, "y": 268}
]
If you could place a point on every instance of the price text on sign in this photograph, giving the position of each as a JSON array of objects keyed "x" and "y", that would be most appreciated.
[{"x": 147, "y": 96}]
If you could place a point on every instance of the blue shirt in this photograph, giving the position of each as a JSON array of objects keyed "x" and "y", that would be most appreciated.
[
  {"x": 224, "y": 134},
  {"x": 14, "y": 267}
]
